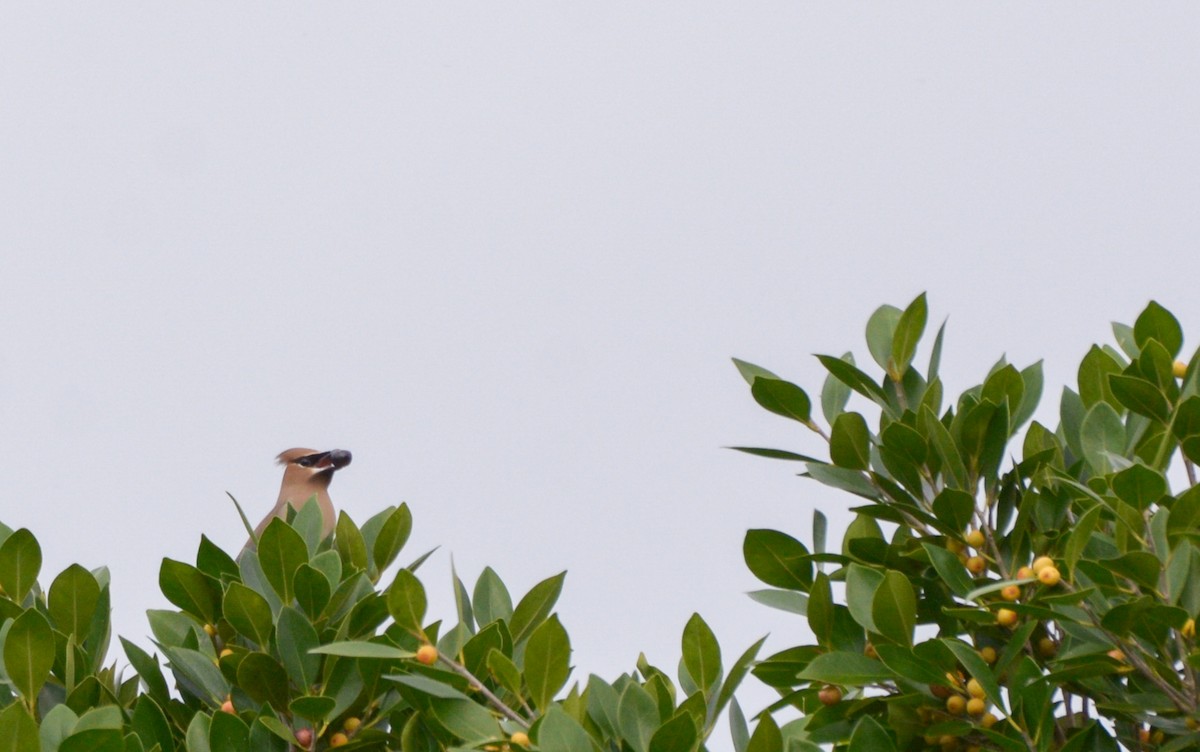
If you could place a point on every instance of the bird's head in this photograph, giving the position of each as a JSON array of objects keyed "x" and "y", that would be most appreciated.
[{"x": 312, "y": 466}]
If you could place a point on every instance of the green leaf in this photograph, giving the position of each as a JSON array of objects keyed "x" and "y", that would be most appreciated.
[
  {"x": 869, "y": 736},
  {"x": 229, "y": 733},
  {"x": 1031, "y": 377},
  {"x": 1140, "y": 396},
  {"x": 148, "y": 671},
  {"x": 392, "y": 537},
  {"x": 775, "y": 454},
  {"x": 1159, "y": 324},
  {"x": 1094, "y": 370},
  {"x": 954, "y": 508},
  {"x": 295, "y": 637},
  {"x": 750, "y": 372},
  {"x": 406, "y": 602},
  {"x": 881, "y": 330},
  {"x": 845, "y": 669},
  {"x": 851, "y": 481},
  {"x": 1139, "y": 486},
  {"x": 312, "y": 589},
  {"x": 785, "y": 600},
  {"x": 850, "y": 442},
  {"x": 821, "y": 609},
  {"x": 676, "y": 735},
  {"x": 894, "y": 608},
  {"x": 953, "y": 469},
  {"x": 533, "y": 609},
  {"x": 18, "y": 730},
  {"x": 491, "y": 598},
  {"x": 428, "y": 685},
  {"x": 547, "y": 661},
  {"x": 559, "y": 732},
  {"x": 248, "y": 613},
  {"x": 1101, "y": 434},
  {"x": 72, "y": 601},
  {"x": 29, "y": 652},
  {"x": 909, "y": 329},
  {"x": 281, "y": 551},
  {"x": 701, "y": 654},
  {"x": 190, "y": 589},
  {"x": 637, "y": 716},
  {"x": 349, "y": 542},
  {"x": 264, "y": 680},
  {"x": 94, "y": 740},
  {"x": 150, "y": 724},
  {"x": 737, "y": 672},
  {"x": 778, "y": 559},
  {"x": 856, "y": 380},
  {"x": 950, "y": 569},
  {"x": 861, "y": 584},
  {"x": 505, "y": 671},
  {"x": 362, "y": 649},
  {"x": 766, "y": 737},
  {"x": 782, "y": 398},
  {"x": 20, "y": 562},
  {"x": 835, "y": 394},
  {"x": 975, "y": 666}
]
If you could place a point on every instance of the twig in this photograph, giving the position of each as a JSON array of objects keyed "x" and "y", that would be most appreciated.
[{"x": 492, "y": 699}]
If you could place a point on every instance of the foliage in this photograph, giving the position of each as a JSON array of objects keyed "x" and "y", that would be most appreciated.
[
  {"x": 296, "y": 645},
  {"x": 1043, "y": 602}
]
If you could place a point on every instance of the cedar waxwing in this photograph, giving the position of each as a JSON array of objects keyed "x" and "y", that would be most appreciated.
[{"x": 307, "y": 472}]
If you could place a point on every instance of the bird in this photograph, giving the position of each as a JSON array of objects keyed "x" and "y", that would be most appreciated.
[{"x": 306, "y": 472}]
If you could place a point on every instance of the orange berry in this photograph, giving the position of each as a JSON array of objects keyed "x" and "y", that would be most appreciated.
[
  {"x": 976, "y": 706},
  {"x": 956, "y": 704},
  {"x": 227, "y": 706},
  {"x": 339, "y": 740},
  {"x": 427, "y": 654},
  {"x": 988, "y": 654},
  {"x": 1049, "y": 576},
  {"x": 975, "y": 689},
  {"x": 976, "y": 565},
  {"x": 1006, "y": 617},
  {"x": 1041, "y": 563},
  {"x": 520, "y": 738},
  {"x": 1144, "y": 735},
  {"x": 1179, "y": 369},
  {"x": 226, "y": 652},
  {"x": 829, "y": 695},
  {"x": 939, "y": 691},
  {"x": 1025, "y": 573},
  {"x": 976, "y": 539},
  {"x": 351, "y": 724},
  {"x": 1010, "y": 592},
  {"x": 1116, "y": 655}
]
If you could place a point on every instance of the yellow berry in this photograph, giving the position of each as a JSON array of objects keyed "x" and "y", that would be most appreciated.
[
  {"x": 976, "y": 565},
  {"x": 976, "y": 539},
  {"x": 976, "y": 706},
  {"x": 351, "y": 724},
  {"x": 1188, "y": 629},
  {"x": 427, "y": 654},
  {"x": 520, "y": 738},
  {"x": 1047, "y": 647},
  {"x": 1179, "y": 369},
  {"x": 1041, "y": 563},
  {"x": 975, "y": 689},
  {"x": 339, "y": 740},
  {"x": 226, "y": 652},
  {"x": 210, "y": 630},
  {"x": 948, "y": 743},
  {"x": 1050, "y": 576},
  {"x": 1006, "y": 617},
  {"x": 988, "y": 654},
  {"x": 988, "y": 720},
  {"x": 1117, "y": 655},
  {"x": 956, "y": 704},
  {"x": 955, "y": 546},
  {"x": 1025, "y": 573},
  {"x": 1011, "y": 592}
]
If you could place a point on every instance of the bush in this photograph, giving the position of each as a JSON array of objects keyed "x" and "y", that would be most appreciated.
[{"x": 1040, "y": 597}]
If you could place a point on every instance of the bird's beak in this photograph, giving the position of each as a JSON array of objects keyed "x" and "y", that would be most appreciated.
[{"x": 333, "y": 460}]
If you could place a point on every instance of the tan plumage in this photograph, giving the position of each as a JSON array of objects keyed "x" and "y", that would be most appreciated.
[{"x": 307, "y": 472}]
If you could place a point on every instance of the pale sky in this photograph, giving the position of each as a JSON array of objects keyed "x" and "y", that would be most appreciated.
[{"x": 503, "y": 253}]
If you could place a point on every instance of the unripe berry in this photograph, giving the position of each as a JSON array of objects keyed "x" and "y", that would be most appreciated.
[
  {"x": 976, "y": 706},
  {"x": 351, "y": 724},
  {"x": 1041, "y": 563},
  {"x": 956, "y": 704},
  {"x": 1047, "y": 647},
  {"x": 976, "y": 539},
  {"x": 988, "y": 654},
  {"x": 975, "y": 689},
  {"x": 427, "y": 654}
]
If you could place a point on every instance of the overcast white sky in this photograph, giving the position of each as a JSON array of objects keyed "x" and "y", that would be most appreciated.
[{"x": 503, "y": 252}]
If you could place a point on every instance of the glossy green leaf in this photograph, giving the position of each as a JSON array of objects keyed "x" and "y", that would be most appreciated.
[
  {"x": 249, "y": 613},
  {"x": 850, "y": 442},
  {"x": 894, "y": 608},
  {"x": 835, "y": 394},
  {"x": 18, "y": 730},
  {"x": 559, "y": 732},
  {"x": 93, "y": 740},
  {"x": 29, "y": 652},
  {"x": 295, "y": 636},
  {"x": 20, "y": 562},
  {"x": 1140, "y": 396},
  {"x": 1032, "y": 379},
  {"x": 701, "y": 653},
  {"x": 491, "y": 598},
  {"x": 782, "y": 398},
  {"x": 1157, "y": 323},
  {"x": 190, "y": 589},
  {"x": 881, "y": 330},
  {"x": 349, "y": 542},
  {"x": 281, "y": 551},
  {"x": 505, "y": 671},
  {"x": 392, "y": 537},
  {"x": 229, "y": 733},
  {"x": 1094, "y": 370},
  {"x": 266, "y": 681},
  {"x": 851, "y": 481},
  {"x": 954, "y": 508},
  {"x": 533, "y": 609},
  {"x": 950, "y": 569},
  {"x": 861, "y": 584},
  {"x": 72, "y": 601},
  {"x": 909, "y": 329},
  {"x": 821, "y": 609},
  {"x": 547, "y": 661},
  {"x": 150, "y": 724},
  {"x": 466, "y": 719},
  {"x": 766, "y": 736},
  {"x": 869, "y": 736},
  {"x": 406, "y": 602},
  {"x": 1101, "y": 435},
  {"x": 637, "y": 716},
  {"x": 676, "y": 735},
  {"x": 363, "y": 649},
  {"x": 977, "y": 669},
  {"x": 1139, "y": 486},
  {"x": 845, "y": 669},
  {"x": 778, "y": 559},
  {"x": 860, "y": 382},
  {"x": 750, "y": 372},
  {"x": 313, "y": 589}
]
